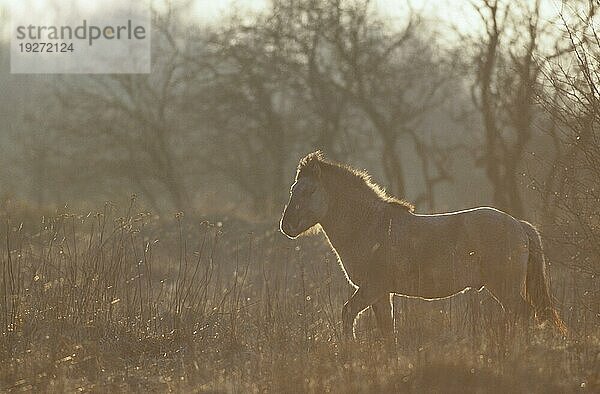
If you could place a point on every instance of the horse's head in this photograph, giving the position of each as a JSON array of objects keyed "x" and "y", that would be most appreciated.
[{"x": 308, "y": 198}]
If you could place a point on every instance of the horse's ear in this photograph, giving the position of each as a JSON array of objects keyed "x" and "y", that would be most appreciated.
[
  {"x": 316, "y": 168},
  {"x": 311, "y": 163}
]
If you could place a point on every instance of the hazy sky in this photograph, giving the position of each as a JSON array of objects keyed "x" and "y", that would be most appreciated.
[
  {"x": 448, "y": 12},
  {"x": 457, "y": 11},
  {"x": 451, "y": 11}
]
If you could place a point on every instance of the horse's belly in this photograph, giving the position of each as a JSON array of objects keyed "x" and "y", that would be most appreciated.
[
  {"x": 430, "y": 290},
  {"x": 437, "y": 278}
]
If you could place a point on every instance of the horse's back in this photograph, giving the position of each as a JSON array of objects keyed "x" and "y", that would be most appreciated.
[
  {"x": 478, "y": 223},
  {"x": 494, "y": 232}
]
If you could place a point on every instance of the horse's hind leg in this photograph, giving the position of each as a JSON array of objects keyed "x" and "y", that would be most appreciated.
[
  {"x": 517, "y": 309},
  {"x": 384, "y": 313}
]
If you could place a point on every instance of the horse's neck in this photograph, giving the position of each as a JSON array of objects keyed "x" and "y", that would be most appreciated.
[{"x": 346, "y": 220}]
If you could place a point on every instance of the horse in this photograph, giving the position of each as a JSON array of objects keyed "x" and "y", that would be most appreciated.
[{"x": 384, "y": 248}]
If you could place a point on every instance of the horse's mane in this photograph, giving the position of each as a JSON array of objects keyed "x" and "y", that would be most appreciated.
[{"x": 360, "y": 180}]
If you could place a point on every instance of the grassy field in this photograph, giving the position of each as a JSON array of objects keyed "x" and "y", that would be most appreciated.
[{"x": 121, "y": 300}]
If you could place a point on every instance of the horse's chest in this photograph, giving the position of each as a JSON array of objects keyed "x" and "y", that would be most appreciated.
[{"x": 356, "y": 262}]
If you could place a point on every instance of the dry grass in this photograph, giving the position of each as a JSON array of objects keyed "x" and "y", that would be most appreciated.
[{"x": 124, "y": 301}]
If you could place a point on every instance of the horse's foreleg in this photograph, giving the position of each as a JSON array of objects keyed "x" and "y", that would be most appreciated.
[
  {"x": 384, "y": 313},
  {"x": 362, "y": 298}
]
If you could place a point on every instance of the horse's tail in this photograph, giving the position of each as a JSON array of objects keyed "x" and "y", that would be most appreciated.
[{"x": 537, "y": 289}]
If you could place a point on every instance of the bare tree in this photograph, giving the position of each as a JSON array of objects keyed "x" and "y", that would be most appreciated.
[
  {"x": 301, "y": 25},
  {"x": 389, "y": 75},
  {"x": 507, "y": 73},
  {"x": 571, "y": 189},
  {"x": 333, "y": 64},
  {"x": 130, "y": 128},
  {"x": 574, "y": 181},
  {"x": 250, "y": 106},
  {"x": 237, "y": 104}
]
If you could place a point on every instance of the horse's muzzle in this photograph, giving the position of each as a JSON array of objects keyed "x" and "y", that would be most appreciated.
[{"x": 289, "y": 229}]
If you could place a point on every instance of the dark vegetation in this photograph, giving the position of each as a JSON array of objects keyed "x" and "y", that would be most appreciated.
[{"x": 114, "y": 300}]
